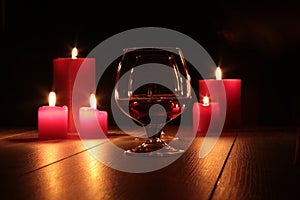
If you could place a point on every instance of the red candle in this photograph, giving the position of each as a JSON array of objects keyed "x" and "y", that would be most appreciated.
[
  {"x": 52, "y": 120},
  {"x": 64, "y": 72},
  {"x": 90, "y": 118},
  {"x": 233, "y": 97},
  {"x": 203, "y": 114}
]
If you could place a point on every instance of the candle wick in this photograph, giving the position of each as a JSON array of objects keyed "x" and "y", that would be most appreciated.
[{"x": 205, "y": 104}]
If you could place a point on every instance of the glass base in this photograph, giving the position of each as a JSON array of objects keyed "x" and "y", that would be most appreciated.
[
  {"x": 154, "y": 147},
  {"x": 165, "y": 136}
]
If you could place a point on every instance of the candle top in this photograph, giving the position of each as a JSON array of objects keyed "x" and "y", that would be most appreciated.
[
  {"x": 218, "y": 74},
  {"x": 68, "y": 59},
  {"x": 223, "y": 80},
  {"x": 54, "y": 108}
]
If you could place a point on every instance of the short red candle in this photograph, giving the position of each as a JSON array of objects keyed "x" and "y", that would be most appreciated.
[
  {"x": 233, "y": 98},
  {"x": 52, "y": 120},
  {"x": 90, "y": 118},
  {"x": 64, "y": 75},
  {"x": 203, "y": 115}
]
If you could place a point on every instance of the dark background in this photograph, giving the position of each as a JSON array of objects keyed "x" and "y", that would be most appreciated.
[{"x": 257, "y": 42}]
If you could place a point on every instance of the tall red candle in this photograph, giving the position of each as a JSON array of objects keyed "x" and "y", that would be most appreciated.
[
  {"x": 52, "y": 120},
  {"x": 233, "y": 97},
  {"x": 64, "y": 75}
]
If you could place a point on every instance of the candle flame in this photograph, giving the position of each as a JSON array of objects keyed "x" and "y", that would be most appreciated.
[
  {"x": 218, "y": 73},
  {"x": 74, "y": 53},
  {"x": 52, "y": 98},
  {"x": 93, "y": 102},
  {"x": 205, "y": 101}
]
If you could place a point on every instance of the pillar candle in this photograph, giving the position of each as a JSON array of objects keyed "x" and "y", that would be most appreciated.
[
  {"x": 52, "y": 120},
  {"x": 233, "y": 97},
  {"x": 64, "y": 75},
  {"x": 92, "y": 122},
  {"x": 205, "y": 113}
]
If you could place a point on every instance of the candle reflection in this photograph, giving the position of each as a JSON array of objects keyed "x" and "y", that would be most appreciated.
[
  {"x": 49, "y": 154},
  {"x": 93, "y": 171}
]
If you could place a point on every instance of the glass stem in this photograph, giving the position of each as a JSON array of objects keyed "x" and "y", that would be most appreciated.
[
  {"x": 157, "y": 135},
  {"x": 153, "y": 131}
]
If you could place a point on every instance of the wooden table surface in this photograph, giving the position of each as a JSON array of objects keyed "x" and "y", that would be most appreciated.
[{"x": 244, "y": 164}]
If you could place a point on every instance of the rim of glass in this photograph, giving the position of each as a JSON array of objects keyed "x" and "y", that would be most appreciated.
[{"x": 152, "y": 48}]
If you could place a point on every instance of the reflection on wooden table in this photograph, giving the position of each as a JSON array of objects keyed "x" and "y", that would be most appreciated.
[{"x": 244, "y": 164}]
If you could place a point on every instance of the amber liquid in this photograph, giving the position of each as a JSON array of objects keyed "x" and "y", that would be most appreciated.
[{"x": 144, "y": 109}]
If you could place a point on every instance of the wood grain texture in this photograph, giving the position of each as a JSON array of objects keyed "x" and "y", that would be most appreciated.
[
  {"x": 23, "y": 152},
  {"x": 297, "y": 149},
  {"x": 81, "y": 176},
  {"x": 260, "y": 166}
]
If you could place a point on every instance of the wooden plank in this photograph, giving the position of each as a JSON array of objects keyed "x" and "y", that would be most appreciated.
[
  {"x": 5, "y": 132},
  {"x": 297, "y": 149},
  {"x": 23, "y": 152},
  {"x": 83, "y": 177},
  {"x": 261, "y": 167}
]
